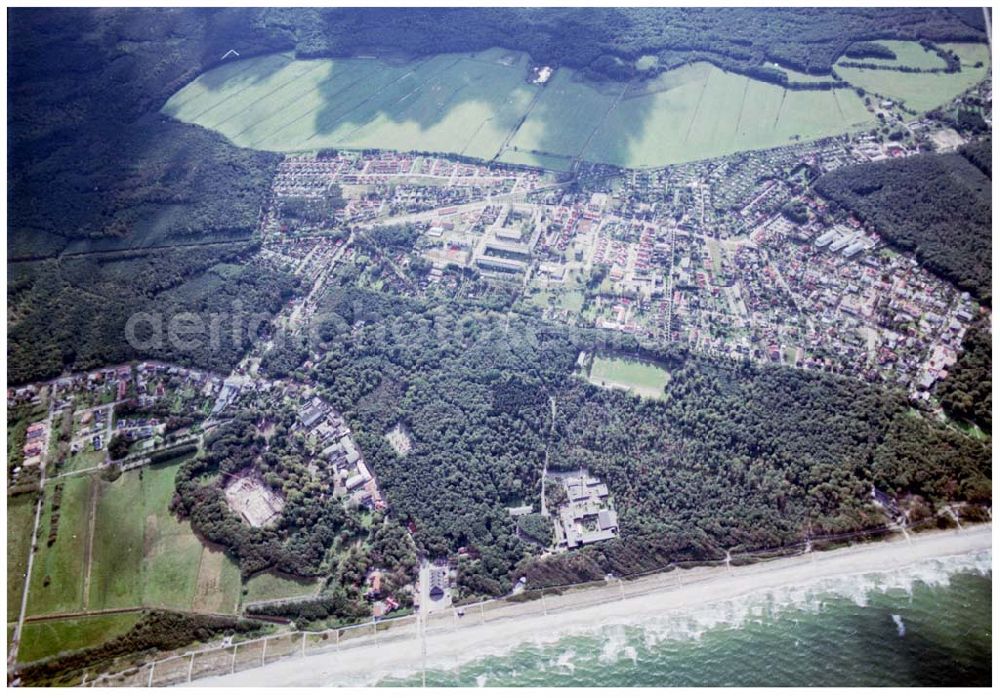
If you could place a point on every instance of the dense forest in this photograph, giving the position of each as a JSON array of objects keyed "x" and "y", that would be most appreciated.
[
  {"x": 967, "y": 393},
  {"x": 605, "y": 42},
  {"x": 938, "y": 206},
  {"x": 93, "y": 160},
  {"x": 737, "y": 455},
  {"x": 73, "y": 312}
]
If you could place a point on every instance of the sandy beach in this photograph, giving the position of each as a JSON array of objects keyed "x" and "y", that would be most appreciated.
[{"x": 449, "y": 639}]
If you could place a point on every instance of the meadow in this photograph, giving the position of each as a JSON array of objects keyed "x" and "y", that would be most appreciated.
[
  {"x": 641, "y": 378},
  {"x": 266, "y": 586},
  {"x": 20, "y": 519},
  {"x": 924, "y": 91},
  {"x": 41, "y": 639},
  {"x": 119, "y": 547},
  {"x": 908, "y": 53},
  {"x": 481, "y": 105}
]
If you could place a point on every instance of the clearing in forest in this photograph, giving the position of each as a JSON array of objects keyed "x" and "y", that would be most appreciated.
[{"x": 399, "y": 439}]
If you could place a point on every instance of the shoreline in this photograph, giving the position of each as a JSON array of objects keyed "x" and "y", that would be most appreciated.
[{"x": 450, "y": 640}]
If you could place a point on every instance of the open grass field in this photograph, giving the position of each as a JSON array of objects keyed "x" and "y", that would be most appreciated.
[
  {"x": 637, "y": 377},
  {"x": 266, "y": 586},
  {"x": 56, "y": 583},
  {"x": 115, "y": 574},
  {"x": 969, "y": 54},
  {"x": 796, "y": 76},
  {"x": 462, "y": 103},
  {"x": 918, "y": 91},
  {"x": 701, "y": 111},
  {"x": 20, "y": 520},
  {"x": 178, "y": 570},
  {"x": 138, "y": 553},
  {"x": 566, "y": 114},
  {"x": 481, "y": 105},
  {"x": 908, "y": 53},
  {"x": 83, "y": 459},
  {"x": 41, "y": 639},
  {"x": 925, "y": 91}
]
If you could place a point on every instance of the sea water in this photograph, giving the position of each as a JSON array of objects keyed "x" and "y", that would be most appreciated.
[{"x": 924, "y": 625}]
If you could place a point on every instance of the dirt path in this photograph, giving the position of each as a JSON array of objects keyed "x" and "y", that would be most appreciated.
[{"x": 88, "y": 548}]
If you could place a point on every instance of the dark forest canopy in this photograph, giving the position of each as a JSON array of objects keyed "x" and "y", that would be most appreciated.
[
  {"x": 807, "y": 39},
  {"x": 90, "y": 157},
  {"x": 967, "y": 393},
  {"x": 939, "y": 206},
  {"x": 72, "y": 312}
]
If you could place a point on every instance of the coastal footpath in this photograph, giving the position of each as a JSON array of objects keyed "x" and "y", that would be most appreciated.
[{"x": 447, "y": 639}]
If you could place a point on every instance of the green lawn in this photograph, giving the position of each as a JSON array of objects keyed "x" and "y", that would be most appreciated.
[
  {"x": 45, "y": 639},
  {"x": 263, "y": 587},
  {"x": 57, "y": 575},
  {"x": 638, "y": 377},
  {"x": 20, "y": 520},
  {"x": 86, "y": 458}
]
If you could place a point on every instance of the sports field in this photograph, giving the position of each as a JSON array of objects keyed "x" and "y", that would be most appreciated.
[
  {"x": 637, "y": 377},
  {"x": 119, "y": 547},
  {"x": 482, "y": 105}
]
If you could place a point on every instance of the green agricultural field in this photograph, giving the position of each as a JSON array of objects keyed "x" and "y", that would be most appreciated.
[
  {"x": 115, "y": 579},
  {"x": 139, "y": 554},
  {"x": 177, "y": 570},
  {"x": 796, "y": 76},
  {"x": 20, "y": 521},
  {"x": 909, "y": 54},
  {"x": 265, "y": 587},
  {"x": 637, "y": 377},
  {"x": 969, "y": 54},
  {"x": 481, "y": 105},
  {"x": 41, "y": 639},
  {"x": 56, "y": 583},
  {"x": 701, "y": 111},
  {"x": 923, "y": 91},
  {"x": 451, "y": 102},
  {"x": 556, "y": 163},
  {"x": 565, "y": 116}
]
